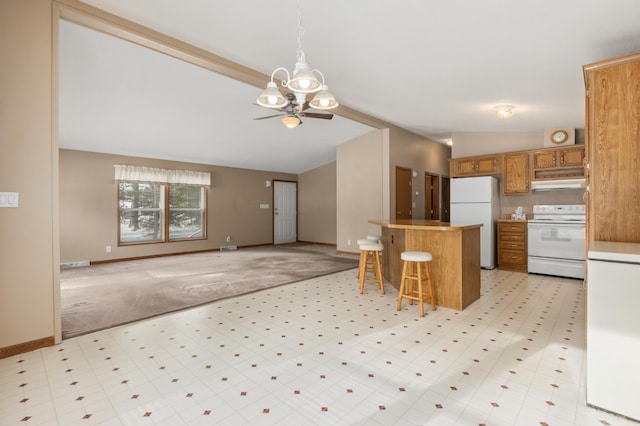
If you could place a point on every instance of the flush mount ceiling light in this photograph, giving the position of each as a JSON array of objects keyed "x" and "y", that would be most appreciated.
[
  {"x": 504, "y": 111},
  {"x": 302, "y": 80}
]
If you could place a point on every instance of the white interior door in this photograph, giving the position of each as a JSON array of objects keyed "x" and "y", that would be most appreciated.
[{"x": 285, "y": 211}]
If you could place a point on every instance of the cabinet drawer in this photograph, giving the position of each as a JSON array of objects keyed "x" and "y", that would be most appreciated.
[
  {"x": 512, "y": 245},
  {"x": 511, "y": 237},
  {"x": 511, "y": 227},
  {"x": 512, "y": 257}
]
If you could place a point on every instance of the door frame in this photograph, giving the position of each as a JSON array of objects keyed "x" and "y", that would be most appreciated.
[
  {"x": 432, "y": 196},
  {"x": 445, "y": 195}
]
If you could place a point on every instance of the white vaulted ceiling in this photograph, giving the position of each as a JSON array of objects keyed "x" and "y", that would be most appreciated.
[{"x": 431, "y": 67}]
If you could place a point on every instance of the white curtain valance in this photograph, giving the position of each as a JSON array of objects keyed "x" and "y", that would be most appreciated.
[{"x": 148, "y": 174}]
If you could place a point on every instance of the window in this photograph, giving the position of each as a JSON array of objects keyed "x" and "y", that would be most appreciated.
[
  {"x": 157, "y": 205},
  {"x": 141, "y": 212},
  {"x": 186, "y": 212}
]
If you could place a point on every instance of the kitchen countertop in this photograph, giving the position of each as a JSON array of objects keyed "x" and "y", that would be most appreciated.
[
  {"x": 614, "y": 251},
  {"x": 422, "y": 224}
]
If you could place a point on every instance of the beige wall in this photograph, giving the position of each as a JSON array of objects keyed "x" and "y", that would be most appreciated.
[
  {"x": 469, "y": 144},
  {"x": 317, "y": 205},
  {"x": 89, "y": 216},
  {"x": 366, "y": 179},
  {"x": 360, "y": 167},
  {"x": 421, "y": 155},
  {"x": 28, "y": 165}
]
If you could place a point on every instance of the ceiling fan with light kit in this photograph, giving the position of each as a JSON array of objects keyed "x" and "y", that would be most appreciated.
[
  {"x": 294, "y": 109},
  {"x": 303, "y": 80}
]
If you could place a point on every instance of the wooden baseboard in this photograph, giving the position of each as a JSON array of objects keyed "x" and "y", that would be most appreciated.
[
  {"x": 317, "y": 244},
  {"x": 21, "y": 348},
  {"x": 151, "y": 256}
]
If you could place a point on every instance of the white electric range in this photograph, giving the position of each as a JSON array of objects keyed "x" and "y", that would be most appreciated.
[{"x": 556, "y": 240}]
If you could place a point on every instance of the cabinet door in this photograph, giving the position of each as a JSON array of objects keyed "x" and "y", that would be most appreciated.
[
  {"x": 544, "y": 159},
  {"x": 613, "y": 143},
  {"x": 464, "y": 167},
  {"x": 572, "y": 157},
  {"x": 516, "y": 174},
  {"x": 488, "y": 165}
]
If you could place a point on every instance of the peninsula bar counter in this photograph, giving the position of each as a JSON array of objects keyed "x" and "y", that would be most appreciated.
[{"x": 455, "y": 268}]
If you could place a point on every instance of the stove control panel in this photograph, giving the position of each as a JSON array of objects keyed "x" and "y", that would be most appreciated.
[{"x": 578, "y": 209}]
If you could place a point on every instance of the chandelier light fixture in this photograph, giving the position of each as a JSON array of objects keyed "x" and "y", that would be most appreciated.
[
  {"x": 301, "y": 81},
  {"x": 504, "y": 111}
]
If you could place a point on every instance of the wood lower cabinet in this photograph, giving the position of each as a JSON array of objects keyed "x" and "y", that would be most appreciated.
[
  {"x": 455, "y": 268},
  {"x": 512, "y": 245},
  {"x": 516, "y": 174}
]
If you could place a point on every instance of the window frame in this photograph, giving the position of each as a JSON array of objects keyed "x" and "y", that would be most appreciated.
[
  {"x": 165, "y": 212},
  {"x": 203, "y": 209}
]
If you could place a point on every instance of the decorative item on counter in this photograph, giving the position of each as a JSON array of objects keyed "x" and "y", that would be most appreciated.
[{"x": 518, "y": 215}]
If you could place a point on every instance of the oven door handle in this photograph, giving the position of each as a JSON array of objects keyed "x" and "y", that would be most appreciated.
[{"x": 538, "y": 225}]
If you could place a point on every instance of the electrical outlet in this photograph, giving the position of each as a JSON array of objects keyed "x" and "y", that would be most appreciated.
[
  {"x": 348, "y": 242},
  {"x": 108, "y": 249},
  {"x": 228, "y": 238}
]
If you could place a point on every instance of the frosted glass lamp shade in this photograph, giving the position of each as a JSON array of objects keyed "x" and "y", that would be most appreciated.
[
  {"x": 324, "y": 99},
  {"x": 271, "y": 97},
  {"x": 290, "y": 121},
  {"x": 304, "y": 80}
]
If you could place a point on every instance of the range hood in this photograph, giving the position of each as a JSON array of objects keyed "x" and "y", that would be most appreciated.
[{"x": 557, "y": 184}]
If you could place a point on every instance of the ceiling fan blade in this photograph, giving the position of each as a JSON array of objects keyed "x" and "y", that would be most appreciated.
[
  {"x": 269, "y": 116},
  {"x": 317, "y": 115}
]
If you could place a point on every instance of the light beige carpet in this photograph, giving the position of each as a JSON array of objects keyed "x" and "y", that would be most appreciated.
[{"x": 106, "y": 295}]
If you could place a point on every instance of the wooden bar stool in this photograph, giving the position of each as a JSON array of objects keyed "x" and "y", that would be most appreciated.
[
  {"x": 362, "y": 257},
  {"x": 370, "y": 270},
  {"x": 413, "y": 260}
]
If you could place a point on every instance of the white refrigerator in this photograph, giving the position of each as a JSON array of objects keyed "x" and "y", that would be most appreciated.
[{"x": 477, "y": 200}]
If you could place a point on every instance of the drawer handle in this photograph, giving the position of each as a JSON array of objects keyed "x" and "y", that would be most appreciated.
[
  {"x": 514, "y": 245},
  {"x": 513, "y": 257}
]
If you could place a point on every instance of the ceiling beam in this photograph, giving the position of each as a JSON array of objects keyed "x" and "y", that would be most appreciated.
[{"x": 97, "y": 19}]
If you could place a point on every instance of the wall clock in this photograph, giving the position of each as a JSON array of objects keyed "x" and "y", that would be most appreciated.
[{"x": 559, "y": 137}]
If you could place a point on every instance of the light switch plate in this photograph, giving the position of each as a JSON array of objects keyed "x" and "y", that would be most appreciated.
[{"x": 8, "y": 199}]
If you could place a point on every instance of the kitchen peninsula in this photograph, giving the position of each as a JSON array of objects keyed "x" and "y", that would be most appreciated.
[{"x": 455, "y": 269}]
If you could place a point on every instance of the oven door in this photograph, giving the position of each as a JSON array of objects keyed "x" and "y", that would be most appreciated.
[{"x": 557, "y": 240}]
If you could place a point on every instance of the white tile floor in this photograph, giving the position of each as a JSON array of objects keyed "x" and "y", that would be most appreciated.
[{"x": 318, "y": 352}]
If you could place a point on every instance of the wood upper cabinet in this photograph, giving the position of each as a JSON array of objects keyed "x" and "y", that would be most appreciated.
[
  {"x": 516, "y": 174},
  {"x": 518, "y": 169},
  {"x": 476, "y": 166},
  {"x": 571, "y": 157},
  {"x": 564, "y": 157},
  {"x": 613, "y": 149}
]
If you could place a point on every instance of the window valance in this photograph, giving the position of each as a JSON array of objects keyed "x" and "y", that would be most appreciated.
[{"x": 149, "y": 174}]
